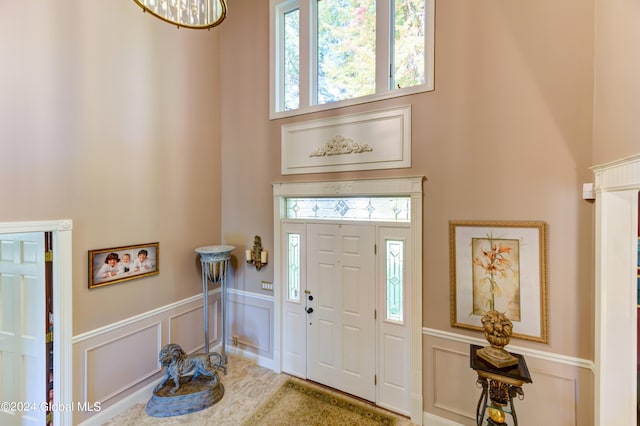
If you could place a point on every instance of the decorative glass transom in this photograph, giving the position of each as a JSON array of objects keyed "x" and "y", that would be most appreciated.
[
  {"x": 383, "y": 209},
  {"x": 394, "y": 251}
]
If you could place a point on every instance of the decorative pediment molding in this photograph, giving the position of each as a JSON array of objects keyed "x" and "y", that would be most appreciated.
[
  {"x": 340, "y": 145},
  {"x": 329, "y": 144}
]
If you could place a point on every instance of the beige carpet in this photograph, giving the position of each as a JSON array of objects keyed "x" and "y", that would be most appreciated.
[{"x": 297, "y": 403}]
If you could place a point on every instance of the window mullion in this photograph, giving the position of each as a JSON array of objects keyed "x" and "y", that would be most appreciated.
[
  {"x": 384, "y": 37},
  {"x": 308, "y": 54},
  {"x": 429, "y": 43}
]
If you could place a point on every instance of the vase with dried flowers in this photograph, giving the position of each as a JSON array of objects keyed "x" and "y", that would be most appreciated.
[{"x": 495, "y": 262}]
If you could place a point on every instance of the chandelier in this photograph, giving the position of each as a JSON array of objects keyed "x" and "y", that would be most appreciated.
[{"x": 196, "y": 14}]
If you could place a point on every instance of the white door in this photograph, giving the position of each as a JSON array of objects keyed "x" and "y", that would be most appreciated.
[
  {"x": 294, "y": 331},
  {"x": 22, "y": 327},
  {"x": 340, "y": 304},
  {"x": 394, "y": 319}
]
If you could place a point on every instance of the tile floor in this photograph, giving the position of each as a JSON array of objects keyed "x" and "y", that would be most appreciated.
[{"x": 246, "y": 386}]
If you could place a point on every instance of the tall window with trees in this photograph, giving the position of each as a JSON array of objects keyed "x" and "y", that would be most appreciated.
[{"x": 333, "y": 53}]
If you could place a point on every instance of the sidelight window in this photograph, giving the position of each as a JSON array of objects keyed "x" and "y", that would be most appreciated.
[
  {"x": 293, "y": 266},
  {"x": 394, "y": 253}
]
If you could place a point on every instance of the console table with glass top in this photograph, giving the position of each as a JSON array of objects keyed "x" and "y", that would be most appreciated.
[{"x": 499, "y": 387}]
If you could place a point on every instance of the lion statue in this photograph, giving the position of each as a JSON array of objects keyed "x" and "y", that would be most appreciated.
[{"x": 179, "y": 364}]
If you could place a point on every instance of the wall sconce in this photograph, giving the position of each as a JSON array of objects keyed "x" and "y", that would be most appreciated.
[{"x": 256, "y": 256}]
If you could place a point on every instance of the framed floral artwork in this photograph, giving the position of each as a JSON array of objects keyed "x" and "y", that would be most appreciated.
[{"x": 499, "y": 266}]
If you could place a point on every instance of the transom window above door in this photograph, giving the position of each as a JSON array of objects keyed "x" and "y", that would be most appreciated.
[
  {"x": 333, "y": 53},
  {"x": 378, "y": 209}
]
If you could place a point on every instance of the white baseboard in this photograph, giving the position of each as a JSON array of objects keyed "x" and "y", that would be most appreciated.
[
  {"x": 429, "y": 419},
  {"x": 138, "y": 397},
  {"x": 257, "y": 359}
]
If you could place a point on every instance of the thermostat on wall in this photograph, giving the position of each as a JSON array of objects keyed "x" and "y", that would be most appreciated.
[{"x": 587, "y": 191}]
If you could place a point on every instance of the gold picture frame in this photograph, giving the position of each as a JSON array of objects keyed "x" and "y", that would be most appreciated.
[
  {"x": 499, "y": 265},
  {"x": 118, "y": 264}
]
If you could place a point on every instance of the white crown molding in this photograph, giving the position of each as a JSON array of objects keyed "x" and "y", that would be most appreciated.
[{"x": 618, "y": 175}]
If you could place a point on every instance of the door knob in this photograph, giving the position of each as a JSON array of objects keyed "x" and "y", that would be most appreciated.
[{"x": 309, "y": 310}]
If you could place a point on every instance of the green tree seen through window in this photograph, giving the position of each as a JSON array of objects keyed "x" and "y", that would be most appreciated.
[
  {"x": 348, "y": 56},
  {"x": 346, "y": 49}
]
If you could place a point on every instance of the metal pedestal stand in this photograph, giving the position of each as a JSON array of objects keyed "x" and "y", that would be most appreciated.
[
  {"x": 215, "y": 265},
  {"x": 499, "y": 387}
]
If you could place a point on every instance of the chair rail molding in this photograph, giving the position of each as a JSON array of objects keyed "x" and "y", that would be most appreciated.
[{"x": 528, "y": 352}]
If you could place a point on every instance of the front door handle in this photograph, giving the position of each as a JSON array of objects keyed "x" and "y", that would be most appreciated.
[{"x": 309, "y": 310}]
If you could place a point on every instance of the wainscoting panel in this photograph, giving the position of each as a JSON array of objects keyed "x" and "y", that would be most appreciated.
[
  {"x": 187, "y": 328},
  {"x": 452, "y": 366},
  {"x": 561, "y": 393},
  {"x": 552, "y": 391},
  {"x": 117, "y": 363},
  {"x": 106, "y": 362},
  {"x": 251, "y": 321}
]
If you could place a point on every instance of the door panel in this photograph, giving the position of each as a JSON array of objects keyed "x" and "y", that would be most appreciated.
[
  {"x": 341, "y": 328},
  {"x": 325, "y": 349},
  {"x": 22, "y": 326},
  {"x": 351, "y": 350},
  {"x": 294, "y": 318},
  {"x": 394, "y": 349}
]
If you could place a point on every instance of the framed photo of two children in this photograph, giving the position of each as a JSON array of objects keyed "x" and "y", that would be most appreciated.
[
  {"x": 499, "y": 266},
  {"x": 117, "y": 264}
]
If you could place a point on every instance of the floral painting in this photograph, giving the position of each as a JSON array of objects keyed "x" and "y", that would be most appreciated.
[
  {"x": 496, "y": 278},
  {"x": 499, "y": 266}
]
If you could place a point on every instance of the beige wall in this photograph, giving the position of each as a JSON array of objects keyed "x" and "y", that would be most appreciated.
[
  {"x": 617, "y": 88},
  {"x": 111, "y": 118},
  {"x": 118, "y": 121},
  {"x": 506, "y": 135}
]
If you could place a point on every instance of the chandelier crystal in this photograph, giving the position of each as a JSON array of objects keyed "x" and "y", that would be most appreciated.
[{"x": 195, "y": 14}]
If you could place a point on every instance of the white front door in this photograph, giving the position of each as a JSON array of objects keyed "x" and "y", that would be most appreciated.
[
  {"x": 340, "y": 305},
  {"x": 22, "y": 328}
]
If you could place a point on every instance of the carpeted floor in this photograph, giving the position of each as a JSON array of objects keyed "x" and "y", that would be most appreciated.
[
  {"x": 299, "y": 403},
  {"x": 249, "y": 390}
]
